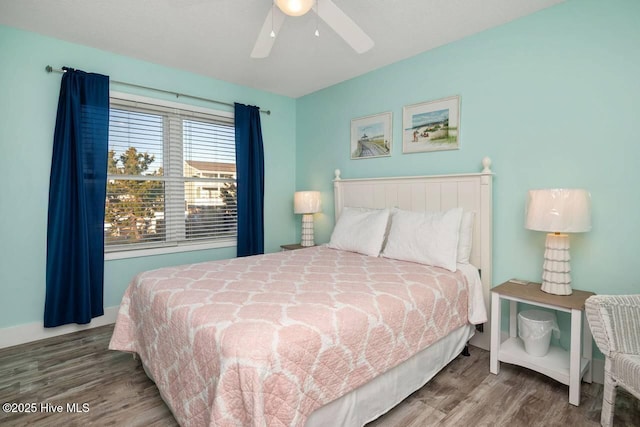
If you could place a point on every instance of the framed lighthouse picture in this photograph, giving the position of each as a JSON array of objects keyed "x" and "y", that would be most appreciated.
[{"x": 371, "y": 136}]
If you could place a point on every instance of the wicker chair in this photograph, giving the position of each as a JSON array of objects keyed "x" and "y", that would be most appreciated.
[{"x": 615, "y": 324}]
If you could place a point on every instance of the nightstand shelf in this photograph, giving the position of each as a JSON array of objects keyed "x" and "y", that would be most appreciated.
[
  {"x": 554, "y": 364},
  {"x": 567, "y": 367}
]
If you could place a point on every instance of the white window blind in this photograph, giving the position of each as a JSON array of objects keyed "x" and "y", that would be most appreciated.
[{"x": 171, "y": 177}]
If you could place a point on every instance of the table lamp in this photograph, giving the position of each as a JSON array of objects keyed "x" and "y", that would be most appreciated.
[
  {"x": 558, "y": 211},
  {"x": 306, "y": 203}
]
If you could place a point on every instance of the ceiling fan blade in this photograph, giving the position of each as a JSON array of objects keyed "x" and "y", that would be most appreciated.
[
  {"x": 264, "y": 43},
  {"x": 344, "y": 26}
]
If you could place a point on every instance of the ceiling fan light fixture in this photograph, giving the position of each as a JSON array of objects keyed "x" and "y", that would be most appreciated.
[{"x": 294, "y": 7}]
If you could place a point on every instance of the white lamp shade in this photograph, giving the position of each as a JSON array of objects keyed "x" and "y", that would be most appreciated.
[
  {"x": 559, "y": 210},
  {"x": 294, "y": 7},
  {"x": 306, "y": 202}
]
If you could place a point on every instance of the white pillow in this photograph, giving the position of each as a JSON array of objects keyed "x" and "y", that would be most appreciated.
[
  {"x": 360, "y": 230},
  {"x": 425, "y": 237},
  {"x": 466, "y": 237}
]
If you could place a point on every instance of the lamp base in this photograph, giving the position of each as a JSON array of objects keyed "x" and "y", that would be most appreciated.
[
  {"x": 556, "y": 288},
  {"x": 307, "y": 230},
  {"x": 556, "y": 275}
]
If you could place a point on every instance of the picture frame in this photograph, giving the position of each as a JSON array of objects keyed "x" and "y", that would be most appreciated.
[
  {"x": 371, "y": 136},
  {"x": 431, "y": 126}
]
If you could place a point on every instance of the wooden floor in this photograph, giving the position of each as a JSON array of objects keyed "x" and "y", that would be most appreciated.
[{"x": 78, "y": 369}]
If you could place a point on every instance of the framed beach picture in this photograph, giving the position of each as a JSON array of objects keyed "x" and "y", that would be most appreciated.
[
  {"x": 431, "y": 126},
  {"x": 371, "y": 136}
]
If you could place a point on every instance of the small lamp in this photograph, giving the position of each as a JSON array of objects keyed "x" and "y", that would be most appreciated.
[
  {"x": 558, "y": 211},
  {"x": 306, "y": 203}
]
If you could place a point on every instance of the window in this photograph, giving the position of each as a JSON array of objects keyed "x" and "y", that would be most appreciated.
[{"x": 171, "y": 176}]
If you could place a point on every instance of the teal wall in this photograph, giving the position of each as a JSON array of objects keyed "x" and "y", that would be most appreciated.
[
  {"x": 28, "y": 102},
  {"x": 552, "y": 98}
]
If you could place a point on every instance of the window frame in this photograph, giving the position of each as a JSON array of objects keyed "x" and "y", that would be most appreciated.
[{"x": 169, "y": 247}]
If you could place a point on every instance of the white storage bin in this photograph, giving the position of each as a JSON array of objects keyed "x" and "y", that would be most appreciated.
[{"x": 534, "y": 328}]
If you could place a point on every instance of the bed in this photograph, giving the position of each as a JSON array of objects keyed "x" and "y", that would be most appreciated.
[{"x": 318, "y": 336}]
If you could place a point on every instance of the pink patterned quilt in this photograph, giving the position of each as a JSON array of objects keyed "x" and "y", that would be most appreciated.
[{"x": 266, "y": 340}]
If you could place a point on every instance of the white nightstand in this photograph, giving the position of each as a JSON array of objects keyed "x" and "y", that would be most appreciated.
[
  {"x": 293, "y": 247},
  {"x": 567, "y": 367}
]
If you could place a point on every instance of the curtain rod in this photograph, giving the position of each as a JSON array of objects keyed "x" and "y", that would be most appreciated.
[{"x": 50, "y": 69}]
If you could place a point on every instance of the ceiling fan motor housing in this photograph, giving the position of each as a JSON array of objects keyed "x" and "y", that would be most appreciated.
[
  {"x": 331, "y": 14},
  {"x": 294, "y": 7}
]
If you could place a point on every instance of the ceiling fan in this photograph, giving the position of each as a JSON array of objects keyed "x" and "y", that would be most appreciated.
[{"x": 326, "y": 10}]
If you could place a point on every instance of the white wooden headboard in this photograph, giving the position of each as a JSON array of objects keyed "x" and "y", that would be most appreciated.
[{"x": 472, "y": 192}]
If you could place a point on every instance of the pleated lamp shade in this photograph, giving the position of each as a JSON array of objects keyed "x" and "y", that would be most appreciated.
[
  {"x": 306, "y": 202},
  {"x": 559, "y": 210}
]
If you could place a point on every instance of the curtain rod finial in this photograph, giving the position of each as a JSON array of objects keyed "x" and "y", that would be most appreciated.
[{"x": 49, "y": 68}]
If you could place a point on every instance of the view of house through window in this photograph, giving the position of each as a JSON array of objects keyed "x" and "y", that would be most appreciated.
[{"x": 171, "y": 177}]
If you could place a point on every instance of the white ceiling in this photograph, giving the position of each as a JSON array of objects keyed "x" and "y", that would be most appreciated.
[{"x": 215, "y": 37}]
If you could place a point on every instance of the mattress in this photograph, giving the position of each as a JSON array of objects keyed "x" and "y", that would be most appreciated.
[{"x": 267, "y": 340}]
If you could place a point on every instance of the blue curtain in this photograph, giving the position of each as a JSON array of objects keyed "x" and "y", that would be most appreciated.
[
  {"x": 250, "y": 180},
  {"x": 77, "y": 191}
]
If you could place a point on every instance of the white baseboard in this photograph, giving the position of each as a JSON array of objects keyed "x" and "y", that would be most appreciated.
[{"x": 29, "y": 332}]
